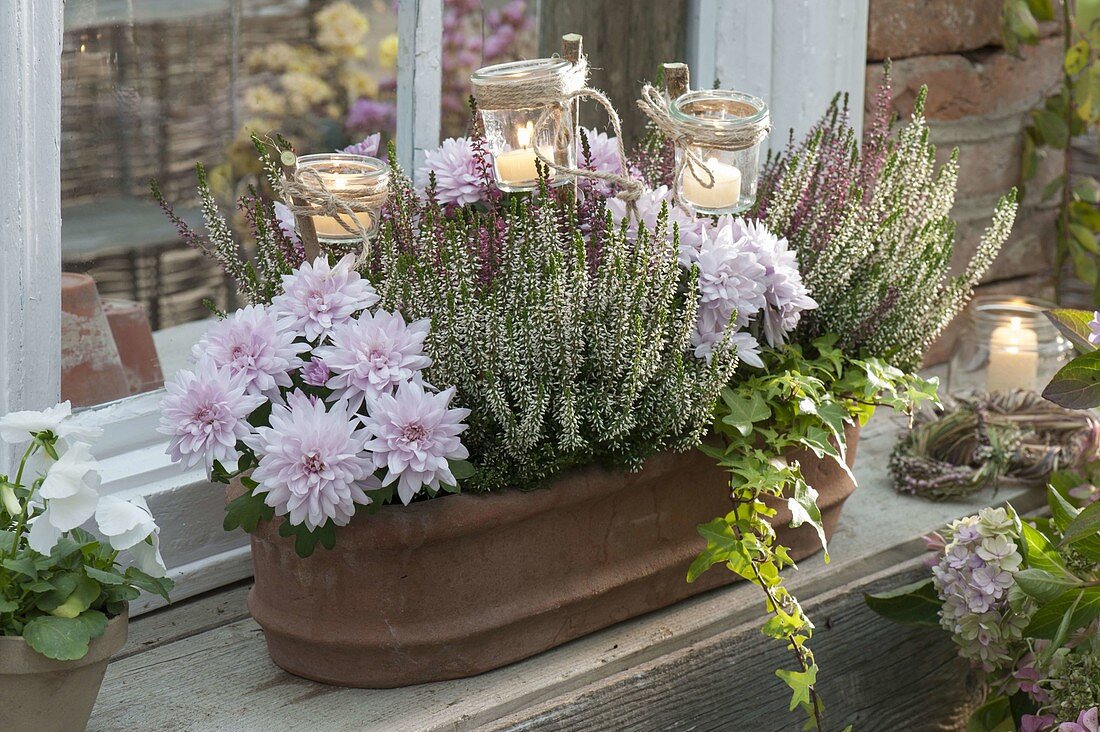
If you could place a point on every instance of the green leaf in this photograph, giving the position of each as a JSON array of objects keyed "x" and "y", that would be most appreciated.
[
  {"x": 1087, "y": 11},
  {"x": 1018, "y": 24},
  {"x": 803, "y": 507},
  {"x": 1077, "y": 384},
  {"x": 1086, "y": 94},
  {"x": 1050, "y": 616},
  {"x": 21, "y": 565},
  {"x": 1042, "y": 585},
  {"x": 1077, "y": 57},
  {"x": 912, "y": 604},
  {"x": 8, "y": 606},
  {"x": 1064, "y": 512},
  {"x": 721, "y": 543},
  {"x": 1040, "y": 553},
  {"x": 1074, "y": 325},
  {"x": 62, "y": 639},
  {"x": 154, "y": 585},
  {"x": 744, "y": 410},
  {"x": 992, "y": 716},
  {"x": 1052, "y": 127},
  {"x": 1043, "y": 10},
  {"x": 95, "y": 622},
  {"x": 461, "y": 469},
  {"x": 104, "y": 577},
  {"x": 84, "y": 594},
  {"x": 1085, "y": 525},
  {"x": 246, "y": 512},
  {"x": 801, "y": 682}
]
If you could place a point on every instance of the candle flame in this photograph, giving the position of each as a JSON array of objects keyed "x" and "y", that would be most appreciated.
[
  {"x": 524, "y": 134},
  {"x": 1016, "y": 323}
]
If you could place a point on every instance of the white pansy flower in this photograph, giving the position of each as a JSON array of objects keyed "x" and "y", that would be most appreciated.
[
  {"x": 16, "y": 427},
  {"x": 128, "y": 525},
  {"x": 69, "y": 494}
]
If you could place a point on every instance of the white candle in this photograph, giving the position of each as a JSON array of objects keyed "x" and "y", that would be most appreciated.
[
  {"x": 725, "y": 192},
  {"x": 517, "y": 167},
  {"x": 1013, "y": 358},
  {"x": 327, "y": 226}
]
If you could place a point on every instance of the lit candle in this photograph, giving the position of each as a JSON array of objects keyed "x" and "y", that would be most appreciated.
[
  {"x": 724, "y": 194},
  {"x": 327, "y": 226},
  {"x": 1013, "y": 358},
  {"x": 517, "y": 167}
]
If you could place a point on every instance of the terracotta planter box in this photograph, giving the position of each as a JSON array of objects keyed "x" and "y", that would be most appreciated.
[
  {"x": 43, "y": 695},
  {"x": 463, "y": 584}
]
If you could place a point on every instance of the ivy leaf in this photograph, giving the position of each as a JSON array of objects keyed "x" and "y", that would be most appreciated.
[
  {"x": 1076, "y": 57},
  {"x": 803, "y": 508},
  {"x": 912, "y": 604},
  {"x": 721, "y": 544},
  {"x": 1042, "y": 585},
  {"x": 246, "y": 512},
  {"x": 1086, "y": 525},
  {"x": 1077, "y": 384},
  {"x": 1082, "y": 604},
  {"x": 744, "y": 410},
  {"x": 1052, "y": 127},
  {"x": 801, "y": 683},
  {"x": 62, "y": 639}
]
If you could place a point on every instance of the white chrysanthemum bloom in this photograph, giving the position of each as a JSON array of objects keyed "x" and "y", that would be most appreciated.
[
  {"x": 414, "y": 435},
  {"x": 253, "y": 343},
  {"x": 786, "y": 295},
  {"x": 69, "y": 492},
  {"x": 129, "y": 526},
  {"x": 455, "y": 165},
  {"x": 373, "y": 354},
  {"x": 690, "y": 230},
  {"x": 317, "y": 297},
  {"x": 17, "y": 427},
  {"x": 312, "y": 462},
  {"x": 204, "y": 412}
]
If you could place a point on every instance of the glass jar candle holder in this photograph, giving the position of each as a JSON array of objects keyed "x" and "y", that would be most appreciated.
[
  {"x": 1007, "y": 344},
  {"x": 725, "y": 130},
  {"x": 358, "y": 180},
  {"x": 514, "y": 130}
]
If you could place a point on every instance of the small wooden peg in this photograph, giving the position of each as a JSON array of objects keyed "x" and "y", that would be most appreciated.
[{"x": 677, "y": 79}]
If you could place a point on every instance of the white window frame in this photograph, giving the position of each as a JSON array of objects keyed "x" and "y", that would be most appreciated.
[
  {"x": 724, "y": 37},
  {"x": 189, "y": 508}
]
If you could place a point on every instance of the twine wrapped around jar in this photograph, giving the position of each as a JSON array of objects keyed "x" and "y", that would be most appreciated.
[
  {"x": 563, "y": 88},
  {"x": 306, "y": 195},
  {"x": 687, "y": 136}
]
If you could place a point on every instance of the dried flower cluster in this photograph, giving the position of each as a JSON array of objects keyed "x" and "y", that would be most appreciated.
[{"x": 873, "y": 231}]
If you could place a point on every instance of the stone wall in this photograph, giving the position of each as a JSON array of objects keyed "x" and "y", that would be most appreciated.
[{"x": 978, "y": 100}]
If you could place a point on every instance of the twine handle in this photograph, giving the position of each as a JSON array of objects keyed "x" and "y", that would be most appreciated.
[{"x": 307, "y": 232}]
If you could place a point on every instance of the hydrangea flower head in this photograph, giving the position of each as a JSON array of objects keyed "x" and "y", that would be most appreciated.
[
  {"x": 316, "y": 297},
  {"x": 204, "y": 413},
  {"x": 312, "y": 464},
  {"x": 252, "y": 342},
  {"x": 456, "y": 172},
  {"x": 1087, "y": 721},
  {"x": 413, "y": 435},
  {"x": 372, "y": 354}
]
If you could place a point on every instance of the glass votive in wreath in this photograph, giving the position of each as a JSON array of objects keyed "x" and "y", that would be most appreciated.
[
  {"x": 359, "y": 181},
  {"x": 523, "y": 109},
  {"x": 723, "y": 132},
  {"x": 1007, "y": 344}
]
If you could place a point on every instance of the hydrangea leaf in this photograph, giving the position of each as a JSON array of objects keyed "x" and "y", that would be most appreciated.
[
  {"x": 1049, "y": 618},
  {"x": 1077, "y": 384},
  {"x": 1042, "y": 585},
  {"x": 1039, "y": 552},
  {"x": 1074, "y": 325},
  {"x": 912, "y": 604},
  {"x": 1085, "y": 525}
]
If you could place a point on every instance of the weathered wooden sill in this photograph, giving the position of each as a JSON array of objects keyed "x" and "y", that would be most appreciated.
[{"x": 703, "y": 664}]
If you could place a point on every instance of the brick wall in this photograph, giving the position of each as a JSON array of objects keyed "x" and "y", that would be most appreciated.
[{"x": 978, "y": 100}]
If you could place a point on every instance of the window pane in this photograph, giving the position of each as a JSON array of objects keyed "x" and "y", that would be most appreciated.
[
  {"x": 149, "y": 89},
  {"x": 478, "y": 33}
]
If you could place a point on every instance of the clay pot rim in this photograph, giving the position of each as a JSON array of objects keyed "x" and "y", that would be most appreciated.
[
  {"x": 18, "y": 658},
  {"x": 396, "y": 526}
]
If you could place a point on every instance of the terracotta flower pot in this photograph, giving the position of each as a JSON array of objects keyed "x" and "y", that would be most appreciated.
[
  {"x": 91, "y": 371},
  {"x": 134, "y": 339},
  {"x": 463, "y": 584},
  {"x": 42, "y": 695}
]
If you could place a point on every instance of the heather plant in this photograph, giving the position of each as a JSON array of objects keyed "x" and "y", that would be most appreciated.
[{"x": 873, "y": 231}]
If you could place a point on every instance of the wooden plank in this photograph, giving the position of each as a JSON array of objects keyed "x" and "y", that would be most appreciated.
[{"x": 626, "y": 43}]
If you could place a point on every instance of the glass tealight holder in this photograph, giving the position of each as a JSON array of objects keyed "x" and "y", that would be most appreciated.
[
  {"x": 1007, "y": 344},
  {"x": 514, "y": 134},
  {"x": 357, "y": 179},
  {"x": 726, "y": 117}
]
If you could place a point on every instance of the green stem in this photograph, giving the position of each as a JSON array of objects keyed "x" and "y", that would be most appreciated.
[{"x": 21, "y": 521}]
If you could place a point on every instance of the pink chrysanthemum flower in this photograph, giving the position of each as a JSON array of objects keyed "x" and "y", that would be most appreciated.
[
  {"x": 312, "y": 464},
  {"x": 456, "y": 172},
  {"x": 373, "y": 354},
  {"x": 414, "y": 434},
  {"x": 204, "y": 413},
  {"x": 316, "y": 373},
  {"x": 691, "y": 231},
  {"x": 317, "y": 297},
  {"x": 367, "y": 146},
  {"x": 285, "y": 217},
  {"x": 253, "y": 343}
]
